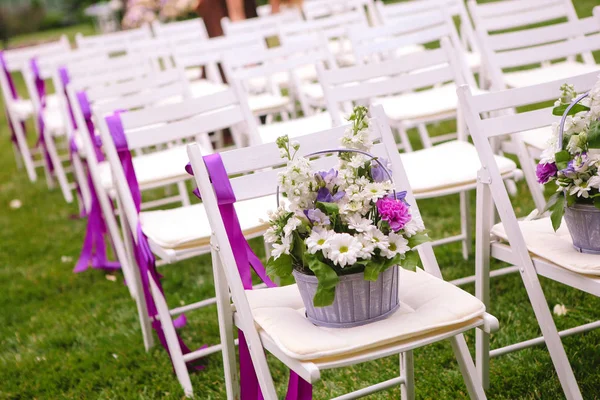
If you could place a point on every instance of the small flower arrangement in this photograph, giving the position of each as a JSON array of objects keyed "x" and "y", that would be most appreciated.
[
  {"x": 343, "y": 221},
  {"x": 573, "y": 165}
]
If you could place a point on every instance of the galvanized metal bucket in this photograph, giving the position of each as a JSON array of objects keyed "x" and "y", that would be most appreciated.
[
  {"x": 583, "y": 221},
  {"x": 357, "y": 301}
]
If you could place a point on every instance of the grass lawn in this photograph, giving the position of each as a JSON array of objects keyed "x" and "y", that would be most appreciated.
[{"x": 67, "y": 336}]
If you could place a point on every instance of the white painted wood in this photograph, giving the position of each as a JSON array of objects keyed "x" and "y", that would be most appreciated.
[
  {"x": 518, "y": 247},
  {"x": 267, "y": 155}
]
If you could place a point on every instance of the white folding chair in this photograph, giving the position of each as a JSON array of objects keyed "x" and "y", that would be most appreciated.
[
  {"x": 208, "y": 55},
  {"x": 394, "y": 13},
  {"x": 534, "y": 46},
  {"x": 271, "y": 68},
  {"x": 289, "y": 336},
  {"x": 417, "y": 109},
  {"x": 530, "y": 246},
  {"x": 567, "y": 40},
  {"x": 115, "y": 42},
  {"x": 19, "y": 109},
  {"x": 334, "y": 28},
  {"x": 266, "y": 26},
  {"x": 327, "y": 8},
  {"x": 177, "y": 233},
  {"x": 437, "y": 171},
  {"x": 191, "y": 29}
]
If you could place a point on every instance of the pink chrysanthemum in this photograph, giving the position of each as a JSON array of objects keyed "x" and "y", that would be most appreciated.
[{"x": 395, "y": 212}]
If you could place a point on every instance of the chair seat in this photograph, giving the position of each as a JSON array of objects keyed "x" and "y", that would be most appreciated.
[
  {"x": 188, "y": 227},
  {"x": 152, "y": 169},
  {"x": 295, "y": 127},
  {"x": 537, "y": 138},
  {"x": 558, "y": 71},
  {"x": 266, "y": 103},
  {"x": 421, "y": 104},
  {"x": 204, "y": 87},
  {"x": 446, "y": 165},
  {"x": 428, "y": 304},
  {"x": 556, "y": 247}
]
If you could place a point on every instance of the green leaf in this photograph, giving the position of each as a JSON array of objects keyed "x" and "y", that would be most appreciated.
[
  {"x": 327, "y": 281},
  {"x": 597, "y": 202},
  {"x": 282, "y": 267},
  {"x": 558, "y": 210},
  {"x": 562, "y": 159},
  {"x": 298, "y": 249},
  {"x": 552, "y": 201},
  {"x": 378, "y": 265},
  {"x": 560, "y": 110},
  {"x": 411, "y": 260},
  {"x": 418, "y": 239},
  {"x": 594, "y": 135},
  {"x": 331, "y": 209}
]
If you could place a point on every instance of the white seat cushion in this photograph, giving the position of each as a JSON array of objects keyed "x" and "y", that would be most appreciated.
[
  {"x": 152, "y": 168},
  {"x": 427, "y": 304},
  {"x": 203, "y": 87},
  {"x": 265, "y": 103},
  {"x": 23, "y": 108},
  {"x": 421, "y": 104},
  {"x": 558, "y": 71},
  {"x": 556, "y": 247},
  {"x": 295, "y": 127},
  {"x": 537, "y": 138},
  {"x": 188, "y": 227},
  {"x": 446, "y": 165}
]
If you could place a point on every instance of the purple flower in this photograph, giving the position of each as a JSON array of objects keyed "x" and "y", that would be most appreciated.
[
  {"x": 545, "y": 171},
  {"x": 326, "y": 177},
  {"x": 395, "y": 212},
  {"x": 379, "y": 173},
  {"x": 324, "y": 195},
  {"x": 318, "y": 217},
  {"x": 399, "y": 196}
]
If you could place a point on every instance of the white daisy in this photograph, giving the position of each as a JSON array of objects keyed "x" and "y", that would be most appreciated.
[
  {"x": 318, "y": 240},
  {"x": 414, "y": 226},
  {"x": 283, "y": 248},
  {"x": 398, "y": 245},
  {"x": 344, "y": 249},
  {"x": 358, "y": 223}
]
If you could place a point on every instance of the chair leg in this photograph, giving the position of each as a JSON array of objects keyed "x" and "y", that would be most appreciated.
[
  {"x": 467, "y": 368},
  {"x": 59, "y": 170},
  {"x": 81, "y": 178},
  {"x": 465, "y": 226},
  {"x": 483, "y": 225},
  {"x": 424, "y": 134},
  {"x": 166, "y": 322},
  {"x": 404, "y": 141},
  {"x": 18, "y": 159},
  {"x": 183, "y": 194},
  {"x": 24, "y": 150},
  {"x": 407, "y": 389},
  {"x": 226, "y": 328}
]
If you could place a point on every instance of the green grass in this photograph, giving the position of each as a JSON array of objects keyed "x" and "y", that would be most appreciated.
[{"x": 77, "y": 336}]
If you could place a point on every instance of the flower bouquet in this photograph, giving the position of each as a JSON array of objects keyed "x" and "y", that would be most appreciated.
[
  {"x": 571, "y": 162},
  {"x": 342, "y": 233}
]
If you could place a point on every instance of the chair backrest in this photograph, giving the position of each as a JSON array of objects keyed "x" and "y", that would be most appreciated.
[
  {"x": 253, "y": 173},
  {"x": 511, "y": 14},
  {"x": 327, "y": 8},
  {"x": 17, "y": 60},
  {"x": 387, "y": 41},
  {"x": 363, "y": 83},
  {"x": 390, "y": 13},
  {"x": 155, "y": 126},
  {"x": 482, "y": 130},
  {"x": 211, "y": 52},
  {"x": 115, "y": 42},
  {"x": 538, "y": 45},
  {"x": 334, "y": 26},
  {"x": 191, "y": 29},
  {"x": 265, "y": 26}
]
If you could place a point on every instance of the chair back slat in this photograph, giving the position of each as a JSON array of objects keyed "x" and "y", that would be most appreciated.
[
  {"x": 17, "y": 59},
  {"x": 186, "y": 30},
  {"x": 546, "y": 13},
  {"x": 115, "y": 41}
]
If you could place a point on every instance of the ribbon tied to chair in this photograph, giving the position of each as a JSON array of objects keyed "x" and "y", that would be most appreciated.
[
  {"x": 298, "y": 388},
  {"x": 142, "y": 252},
  {"x": 14, "y": 95},
  {"x": 94, "y": 245}
]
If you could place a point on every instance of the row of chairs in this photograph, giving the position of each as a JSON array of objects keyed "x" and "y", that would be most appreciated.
[{"x": 164, "y": 114}]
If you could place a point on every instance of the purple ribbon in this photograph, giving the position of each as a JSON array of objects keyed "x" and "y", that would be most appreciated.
[
  {"x": 40, "y": 87},
  {"x": 65, "y": 79},
  {"x": 13, "y": 93},
  {"x": 142, "y": 252},
  {"x": 298, "y": 388},
  {"x": 94, "y": 245}
]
